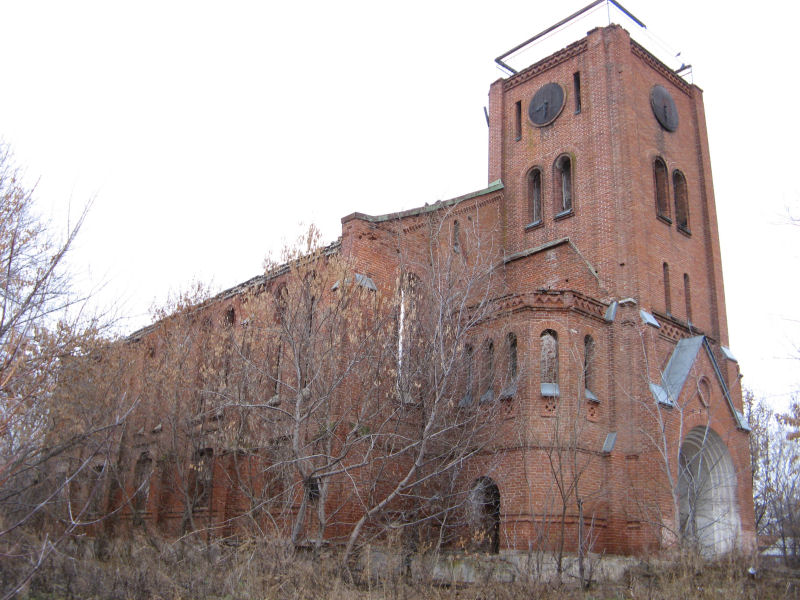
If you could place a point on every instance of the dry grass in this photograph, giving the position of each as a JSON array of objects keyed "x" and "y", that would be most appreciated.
[{"x": 134, "y": 568}]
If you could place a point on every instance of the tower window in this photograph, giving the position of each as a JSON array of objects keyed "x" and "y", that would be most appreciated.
[
  {"x": 535, "y": 195},
  {"x": 549, "y": 363},
  {"x": 667, "y": 295},
  {"x": 518, "y": 120},
  {"x": 589, "y": 368},
  {"x": 576, "y": 84},
  {"x": 681, "y": 201},
  {"x": 512, "y": 356},
  {"x": 688, "y": 296},
  {"x": 563, "y": 184},
  {"x": 662, "y": 194}
]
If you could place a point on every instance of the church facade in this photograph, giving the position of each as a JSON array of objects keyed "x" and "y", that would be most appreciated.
[{"x": 601, "y": 349}]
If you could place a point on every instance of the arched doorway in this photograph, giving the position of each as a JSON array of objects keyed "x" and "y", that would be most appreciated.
[
  {"x": 484, "y": 508},
  {"x": 707, "y": 493}
]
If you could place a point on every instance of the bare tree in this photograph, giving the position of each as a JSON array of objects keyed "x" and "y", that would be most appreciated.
[{"x": 53, "y": 442}]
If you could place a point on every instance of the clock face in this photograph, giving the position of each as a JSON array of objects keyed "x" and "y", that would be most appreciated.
[
  {"x": 664, "y": 107},
  {"x": 546, "y": 104}
]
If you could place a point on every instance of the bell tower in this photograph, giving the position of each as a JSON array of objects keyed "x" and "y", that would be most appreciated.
[{"x": 603, "y": 144}]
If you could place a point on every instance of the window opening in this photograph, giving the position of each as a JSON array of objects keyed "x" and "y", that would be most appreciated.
[
  {"x": 681, "y": 201},
  {"x": 518, "y": 120},
  {"x": 510, "y": 388},
  {"x": 549, "y": 363},
  {"x": 563, "y": 172},
  {"x": 667, "y": 295},
  {"x": 312, "y": 490},
  {"x": 467, "y": 399},
  {"x": 688, "y": 295},
  {"x": 201, "y": 478},
  {"x": 141, "y": 479},
  {"x": 589, "y": 368},
  {"x": 535, "y": 195},
  {"x": 488, "y": 373},
  {"x": 576, "y": 84},
  {"x": 662, "y": 193},
  {"x": 456, "y": 236}
]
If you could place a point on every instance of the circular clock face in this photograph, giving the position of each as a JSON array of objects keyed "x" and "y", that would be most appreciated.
[
  {"x": 546, "y": 104},
  {"x": 664, "y": 107}
]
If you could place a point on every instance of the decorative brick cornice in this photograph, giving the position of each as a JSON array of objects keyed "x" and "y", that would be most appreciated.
[
  {"x": 640, "y": 51},
  {"x": 547, "y": 63}
]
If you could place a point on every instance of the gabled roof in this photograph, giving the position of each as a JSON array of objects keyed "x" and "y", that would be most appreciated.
[{"x": 677, "y": 372}]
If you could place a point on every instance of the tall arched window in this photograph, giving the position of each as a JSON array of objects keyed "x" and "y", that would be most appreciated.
[
  {"x": 511, "y": 340},
  {"x": 681, "y": 200},
  {"x": 667, "y": 295},
  {"x": 535, "y": 195},
  {"x": 487, "y": 385},
  {"x": 662, "y": 193},
  {"x": 589, "y": 368},
  {"x": 563, "y": 184},
  {"x": 510, "y": 387},
  {"x": 549, "y": 363}
]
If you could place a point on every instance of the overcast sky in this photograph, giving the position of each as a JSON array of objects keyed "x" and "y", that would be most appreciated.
[{"x": 207, "y": 132}]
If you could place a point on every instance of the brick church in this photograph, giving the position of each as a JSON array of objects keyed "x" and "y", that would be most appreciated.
[{"x": 599, "y": 349}]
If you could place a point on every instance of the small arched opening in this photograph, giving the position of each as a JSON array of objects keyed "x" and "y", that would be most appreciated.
[{"x": 708, "y": 516}]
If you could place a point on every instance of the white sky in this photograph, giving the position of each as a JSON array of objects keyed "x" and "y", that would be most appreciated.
[{"x": 208, "y": 131}]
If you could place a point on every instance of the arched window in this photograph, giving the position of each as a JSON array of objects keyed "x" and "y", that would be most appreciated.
[
  {"x": 511, "y": 339},
  {"x": 407, "y": 327},
  {"x": 456, "y": 236},
  {"x": 662, "y": 193},
  {"x": 141, "y": 479},
  {"x": 688, "y": 296},
  {"x": 487, "y": 387},
  {"x": 535, "y": 195},
  {"x": 589, "y": 368},
  {"x": 704, "y": 391},
  {"x": 549, "y": 363},
  {"x": 681, "y": 201},
  {"x": 667, "y": 295},
  {"x": 510, "y": 388},
  {"x": 562, "y": 184}
]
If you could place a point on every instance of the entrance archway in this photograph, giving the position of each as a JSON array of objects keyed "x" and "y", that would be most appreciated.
[
  {"x": 484, "y": 505},
  {"x": 707, "y": 493}
]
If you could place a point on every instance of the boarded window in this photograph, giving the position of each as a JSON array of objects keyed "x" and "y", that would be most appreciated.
[
  {"x": 518, "y": 120},
  {"x": 456, "y": 236},
  {"x": 662, "y": 193},
  {"x": 535, "y": 195},
  {"x": 681, "y": 200},
  {"x": 563, "y": 184},
  {"x": 667, "y": 294}
]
